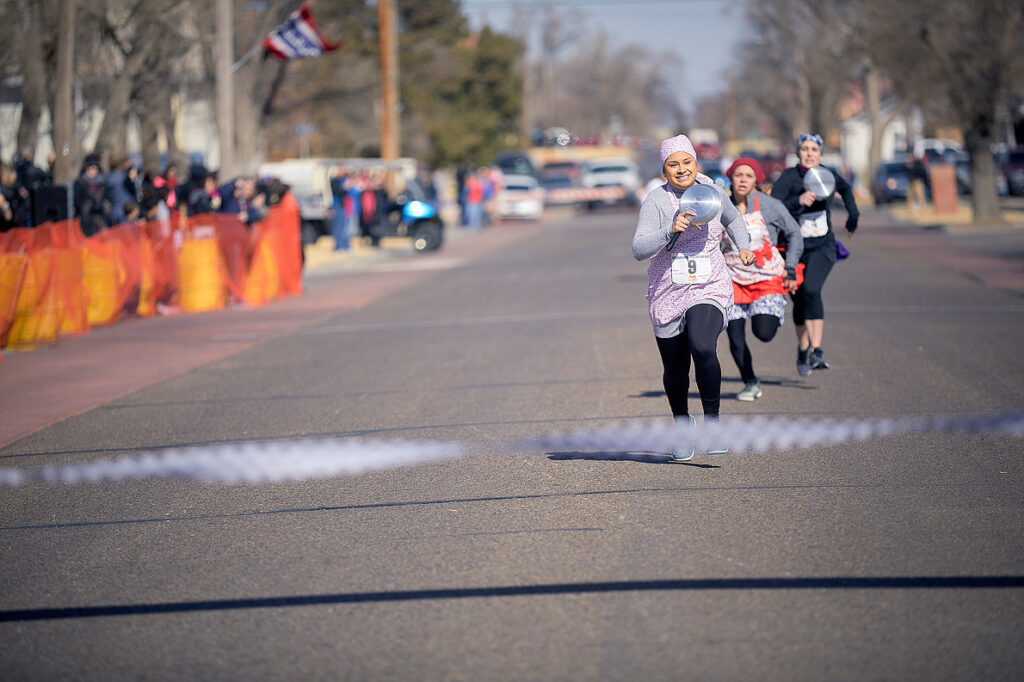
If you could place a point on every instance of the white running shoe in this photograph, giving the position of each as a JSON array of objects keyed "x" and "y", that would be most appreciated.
[
  {"x": 683, "y": 454},
  {"x": 750, "y": 392}
]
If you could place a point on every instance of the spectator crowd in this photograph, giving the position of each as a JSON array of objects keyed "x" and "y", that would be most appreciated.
[{"x": 124, "y": 193}]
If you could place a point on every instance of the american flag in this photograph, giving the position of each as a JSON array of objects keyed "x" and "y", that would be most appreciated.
[{"x": 297, "y": 38}]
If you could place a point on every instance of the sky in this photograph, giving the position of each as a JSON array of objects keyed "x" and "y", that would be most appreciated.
[{"x": 707, "y": 32}]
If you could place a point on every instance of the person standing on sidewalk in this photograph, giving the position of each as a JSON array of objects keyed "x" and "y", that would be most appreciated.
[
  {"x": 815, "y": 218},
  {"x": 759, "y": 289},
  {"x": 689, "y": 288},
  {"x": 339, "y": 220},
  {"x": 917, "y": 179},
  {"x": 474, "y": 201}
]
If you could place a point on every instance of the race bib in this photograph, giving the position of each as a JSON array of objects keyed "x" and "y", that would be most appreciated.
[
  {"x": 757, "y": 235},
  {"x": 691, "y": 268},
  {"x": 814, "y": 224}
]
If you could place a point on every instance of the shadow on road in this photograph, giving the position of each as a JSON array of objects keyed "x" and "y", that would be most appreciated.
[
  {"x": 646, "y": 458},
  {"x": 779, "y": 382},
  {"x": 696, "y": 584}
]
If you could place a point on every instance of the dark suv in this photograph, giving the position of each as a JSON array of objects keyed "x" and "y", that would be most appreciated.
[
  {"x": 889, "y": 182},
  {"x": 1013, "y": 169}
]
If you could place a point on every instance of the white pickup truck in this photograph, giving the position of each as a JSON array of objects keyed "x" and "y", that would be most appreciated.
[
  {"x": 310, "y": 182},
  {"x": 613, "y": 172}
]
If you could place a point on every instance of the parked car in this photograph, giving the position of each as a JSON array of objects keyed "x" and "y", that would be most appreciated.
[
  {"x": 521, "y": 197},
  {"x": 1013, "y": 169},
  {"x": 933, "y": 150},
  {"x": 560, "y": 170},
  {"x": 889, "y": 183},
  {"x": 613, "y": 172},
  {"x": 515, "y": 163}
]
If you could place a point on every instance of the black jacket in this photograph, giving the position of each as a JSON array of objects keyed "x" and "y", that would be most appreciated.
[{"x": 790, "y": 186}]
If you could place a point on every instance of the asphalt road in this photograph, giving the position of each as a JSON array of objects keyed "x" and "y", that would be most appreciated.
[{"x": 899, "y": 558}]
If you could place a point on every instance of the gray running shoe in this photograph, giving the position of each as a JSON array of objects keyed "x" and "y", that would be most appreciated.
[
  {"x": 818, "y": 359},
  {"x": 750, "y": 392},
  {"x": 803, "y": 362},
  {"x": 684, "y": 454}
]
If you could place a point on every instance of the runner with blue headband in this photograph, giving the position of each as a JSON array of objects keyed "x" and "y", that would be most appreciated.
[{"x": 815, "y": 218}]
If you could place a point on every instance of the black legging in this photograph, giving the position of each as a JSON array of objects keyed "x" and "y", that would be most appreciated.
[
  {"x": 807, "y": 304},
  {"x": 698, "y": 339},
  {"x": 763, "y": 327}
]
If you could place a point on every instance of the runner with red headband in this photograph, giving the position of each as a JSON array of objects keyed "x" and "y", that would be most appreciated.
[{"x": 759, "y": 289}]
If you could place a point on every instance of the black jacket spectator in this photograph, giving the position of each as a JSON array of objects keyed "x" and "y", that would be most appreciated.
[{"x": 91, "y": 203}]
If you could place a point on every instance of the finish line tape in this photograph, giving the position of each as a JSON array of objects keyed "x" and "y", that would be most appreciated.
[
  {"x": 241, "y": 463},
  {"x": 278, "y": 462}
]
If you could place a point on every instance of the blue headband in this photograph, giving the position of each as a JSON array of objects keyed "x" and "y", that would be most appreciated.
[{"x": 813, "y": 138}]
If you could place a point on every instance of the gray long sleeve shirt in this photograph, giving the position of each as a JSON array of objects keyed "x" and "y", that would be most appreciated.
[
  {"x": 654, "y": 225},
  {"x": 668, "y": 301}
]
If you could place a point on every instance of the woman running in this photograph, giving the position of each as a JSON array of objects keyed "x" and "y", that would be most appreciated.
[
  {"x": 689, "y": 287},
  {"x": 815, "y": 218},
  {"x": 759, "y": 289}
]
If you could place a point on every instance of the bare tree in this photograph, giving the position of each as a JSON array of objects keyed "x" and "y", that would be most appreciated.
[
  {"x": 128, "y": 34},
  {"x": 969, "y": 55},
  {"x": 255, "y": 77},
  {"x": 795, "y": 66},
  {"x": 32, "y": 49},
  {"x": 604, "y": 89},
  {"x": 557, "y": 34},
  {"x": 64, "y": 116}
]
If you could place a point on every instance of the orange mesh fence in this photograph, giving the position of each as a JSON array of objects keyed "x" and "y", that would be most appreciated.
[
  {"x": 54, "y": 281},
  {"x": 159, "y": 265},
  {"x": 70, "y": 287},
  {"x": 235, "y": 244},
  {"x": 284, "y": 219},
  {"x": 264, "y": 281},
  {"x": 34, "y": 321},
  {"x": 12, "y": 271},
  {"x": 105, "y": 268},
  {"x": 200, "y": 276}
]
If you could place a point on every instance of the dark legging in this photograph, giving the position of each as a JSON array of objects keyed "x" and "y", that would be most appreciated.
[
  {"x": 807, "y": 304},
  {"x": 698, "y": 339},
  {"x": 764, "y": 328}
]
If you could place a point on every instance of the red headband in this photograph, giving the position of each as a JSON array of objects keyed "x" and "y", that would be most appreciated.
[{"x": 746, "y": 161}]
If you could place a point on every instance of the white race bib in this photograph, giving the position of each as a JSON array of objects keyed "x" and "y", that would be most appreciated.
[
  {"x": 814, "y": 224},
  {"x": 691, "y": 268},
  {"x": 757, "y": 235}
]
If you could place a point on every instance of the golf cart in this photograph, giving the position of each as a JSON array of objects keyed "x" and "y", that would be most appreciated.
[{"x": 413, "y": 214}]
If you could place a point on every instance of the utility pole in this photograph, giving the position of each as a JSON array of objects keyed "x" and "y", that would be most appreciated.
[
  {"x": 225, "y": 88},
  {"x": 390, "y": 130},
  {"x": 64, "y": 109}
]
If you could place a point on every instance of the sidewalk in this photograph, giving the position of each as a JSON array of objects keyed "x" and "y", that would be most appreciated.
[
  {"x": 992, "y": 255},
  {"x": 962, "y": 221},
  {"x": 43, "y": 386}
]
